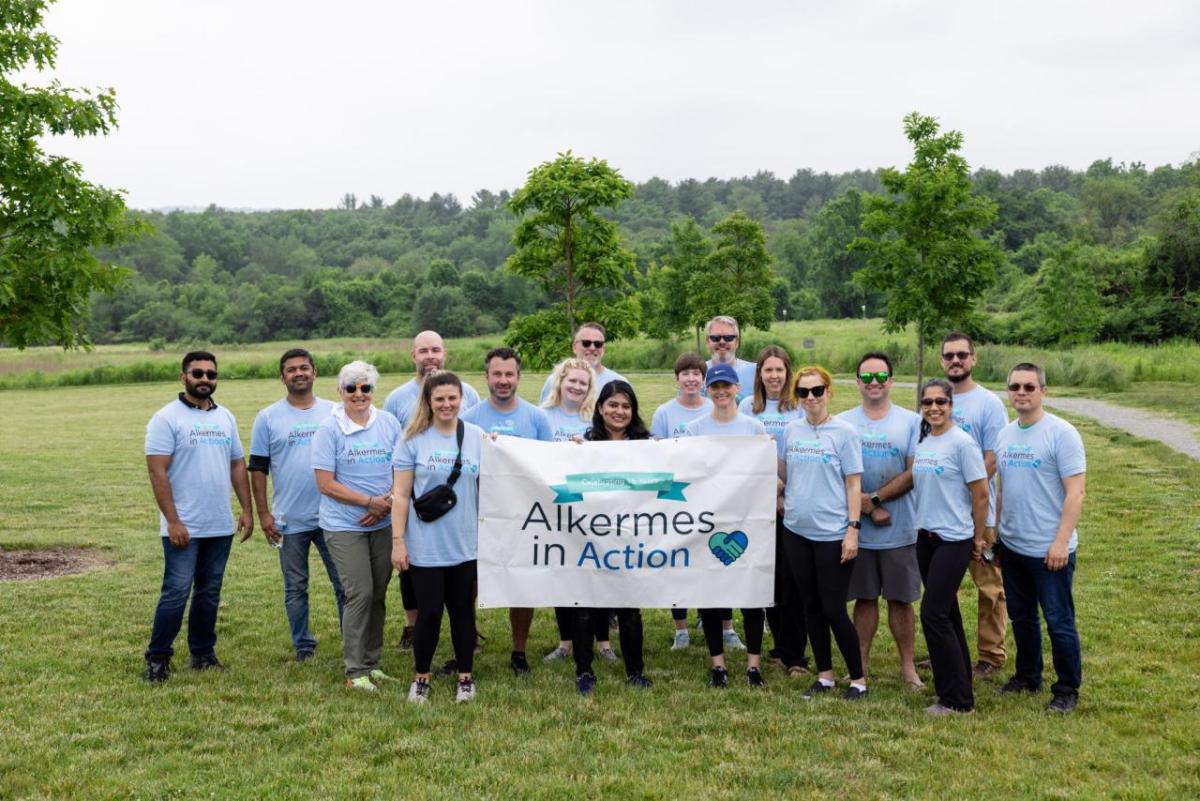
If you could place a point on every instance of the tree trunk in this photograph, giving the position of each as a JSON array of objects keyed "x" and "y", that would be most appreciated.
[
  {"x": 569, "y": 258},
  {"x": 920, "y": 361},
  {"x": 699, "y": 344}
]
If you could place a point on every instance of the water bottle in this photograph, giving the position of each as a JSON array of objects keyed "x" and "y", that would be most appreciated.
[{"x": 281, "y": 527}]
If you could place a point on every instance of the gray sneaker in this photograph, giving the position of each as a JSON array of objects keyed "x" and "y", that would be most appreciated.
[
  {"x": 732, "y": 641},
  {"x": 682, "y": 640},
  {"x": 937, "y": 710},
  {"x": 608, "y": 654},
  {"x": 466, "y": 691},
  {"x": 555, "y": 655},
  {"x": 418, "y": 692}
]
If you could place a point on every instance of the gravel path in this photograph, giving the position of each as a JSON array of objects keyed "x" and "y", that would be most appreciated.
[{"x": 1174, "y": 434}]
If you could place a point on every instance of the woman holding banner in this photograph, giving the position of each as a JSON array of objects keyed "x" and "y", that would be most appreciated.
[
  {"x": 569, "y": 406},
  {"x": 724, "y": 420},
  {"x": 820, "y": 467},
  {"x": 616, "y": 418},
  {"x": 436, "y": 544},
  {"x": 773, "y": 404}
]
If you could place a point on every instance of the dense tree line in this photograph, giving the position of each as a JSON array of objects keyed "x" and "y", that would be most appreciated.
[{"x": 1111, "y": 252}]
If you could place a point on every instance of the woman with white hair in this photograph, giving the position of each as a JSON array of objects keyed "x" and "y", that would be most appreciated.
[{"x": 352, "y": 458}]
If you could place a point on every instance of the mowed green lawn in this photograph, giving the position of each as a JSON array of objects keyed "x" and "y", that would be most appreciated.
[{"x": 76, "y": 721}]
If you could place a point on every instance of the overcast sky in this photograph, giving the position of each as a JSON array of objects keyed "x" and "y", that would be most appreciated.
[{"x": 260, "y": 104}]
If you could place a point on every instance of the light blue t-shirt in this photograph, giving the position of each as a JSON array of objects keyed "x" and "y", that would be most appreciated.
[
  {"x": 775, "y": 421},
  {"x": 201, "y": 445},
  {"x": 454, "y": 537},
  {"x": 672, "y": 418},
  {"x": 740, "y": 426},
  {"x": 745, "y": 371},
  {"x": 284, "y": 434},
  {"x": 564, "y": 425},
  {"x": 1032, "y": 463},
  {"x": 526, "y": 420},
  {"x": 607, "y": 376},
  {"x": 981, "y": 414},
  {"x": 818, "y": 460},
  {"x": 942, "y": 468},
  {"x": 887, "y": 445},
  {"x": 361, "y": 461},
  {"x": 403, "y": 400}
]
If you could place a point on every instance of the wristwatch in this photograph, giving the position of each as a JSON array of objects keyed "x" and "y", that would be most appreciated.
[
  {"x": 875, "y": 501},
  {"x": 855, "y": 524}
]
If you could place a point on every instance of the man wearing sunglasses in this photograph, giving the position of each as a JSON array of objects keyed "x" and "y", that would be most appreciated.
[
  {"x": 887, "y": 557},
  {"x": 980, "y": 413},
  {"x": 281, "y": 446},
  {"x": 194, "y": 457},
  {"x": 588, "y": 345},
  {"x": 723, "y": 338},
  {"x": 1042, "y": 469}
]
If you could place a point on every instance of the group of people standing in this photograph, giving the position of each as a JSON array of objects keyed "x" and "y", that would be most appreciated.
[{"x": 874, "y": 502}]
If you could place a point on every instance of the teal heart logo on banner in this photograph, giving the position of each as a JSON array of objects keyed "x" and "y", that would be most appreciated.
[{"x": 728, "y": 547}]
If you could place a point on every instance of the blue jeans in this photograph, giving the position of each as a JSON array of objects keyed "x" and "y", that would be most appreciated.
[
  {"x": 1028, "y": 584},
  {"x": 293, "y": 561},
  {"x": 197, "y": 570}
]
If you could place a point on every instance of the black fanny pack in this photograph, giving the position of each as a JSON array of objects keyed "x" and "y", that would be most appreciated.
[{"x": 441, "y": 499}]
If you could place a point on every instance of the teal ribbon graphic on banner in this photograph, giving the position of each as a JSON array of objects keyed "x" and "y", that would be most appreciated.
[{"x": 664, "y": 484}]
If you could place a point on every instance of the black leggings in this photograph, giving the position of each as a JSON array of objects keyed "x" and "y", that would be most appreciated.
[
  {"x": 565, "y": 617},
  {"x": 943, "y": 563},
  {"x": 824, "y": 582},
  {"x": 786, "y": 617},
  {"x": 629, "y": 623},
  {"x": 714, "y": 635},
  {"x": 407, "y": 595},
  {"x": 452, "y": 588}
]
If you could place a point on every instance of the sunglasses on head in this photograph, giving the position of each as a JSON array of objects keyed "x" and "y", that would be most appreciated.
[
  {"x": 366, "y": 389},
  {"x": 722, "y": 337},
  {"x": 1028, "y": 388},
  {"x": 940, "y": 400},
  {"x": 197, "y": 373},
  {"x": 961, "y": 355},
  {"x": 817, "y": 391},
  {"x": 592, "y": 343},
  {"x": 882, "y": 376}
]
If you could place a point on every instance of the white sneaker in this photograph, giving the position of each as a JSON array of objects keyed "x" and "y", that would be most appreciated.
[
  {"x": 466, "y": 691},
  {"x": 555, "y": 655},
  {"x": 731, "y": 640},
  {"x": 418, "y": 692},
  {"x": 682, "y": 640}
]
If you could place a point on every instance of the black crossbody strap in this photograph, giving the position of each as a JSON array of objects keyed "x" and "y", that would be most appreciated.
[{"x": 457, "y": 471}]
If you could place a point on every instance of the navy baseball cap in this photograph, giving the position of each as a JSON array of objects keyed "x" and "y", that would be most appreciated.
[{"x": 721, "y": 372}]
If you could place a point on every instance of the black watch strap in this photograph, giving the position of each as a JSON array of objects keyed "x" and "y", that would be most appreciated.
[{"x": 855, "y": 524}]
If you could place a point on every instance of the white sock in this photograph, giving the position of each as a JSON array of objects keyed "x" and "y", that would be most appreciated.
[
  {"x": 827, "y": 682},
  {"x": 860, "y": 685}
]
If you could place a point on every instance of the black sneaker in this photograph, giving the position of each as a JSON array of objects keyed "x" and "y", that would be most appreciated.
[
  {"x": 157, "y": 670},
  {"x": 585, "y": 682},
  {"x": 817, "y": 688},
  {"x": 639, "y": 680},
  {"x": 1063, "y": 703},
  {"x": 854, "y": 693},
  {"x": 520, "y": 667},
  {"x": 207, "y": 662},
  {"x": 1017, "y": 685},
  {"x": 719, "y": 678},
  {"x": 448, "y": 668},
  {"x": 754, "y": 678},
  {"x": 304, "y": 656},
  {"x": 406, "y": 638}
]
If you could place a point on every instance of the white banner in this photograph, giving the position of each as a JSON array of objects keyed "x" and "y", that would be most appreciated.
[{"x": 650, "y": 524}]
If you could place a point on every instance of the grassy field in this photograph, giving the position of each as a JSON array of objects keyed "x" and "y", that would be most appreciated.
[{"x": 77, "y": 722}]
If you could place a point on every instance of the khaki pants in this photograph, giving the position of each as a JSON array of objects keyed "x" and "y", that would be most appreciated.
[
  {"x": 364, "y": 565},
  {"x": 992, "y": 611}
]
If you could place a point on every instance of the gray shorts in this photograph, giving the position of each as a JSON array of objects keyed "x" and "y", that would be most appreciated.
[{"x": 892, "y": 573}]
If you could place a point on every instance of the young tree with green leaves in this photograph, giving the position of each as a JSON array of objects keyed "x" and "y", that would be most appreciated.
[
  {"x": 737, "y": 278},
  {"x": 564, "y": 242},
  {"x": 50, "y": 218},
  {"x": 922, "y": 239}
]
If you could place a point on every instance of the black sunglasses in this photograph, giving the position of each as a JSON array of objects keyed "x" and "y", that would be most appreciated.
[
  {"x": 197, "y": 373},
  {"x": 961, "y": 355},
  {"x": 940, "y": 400},
  {"x": 592, "y": 343},
  {"x": 722, "y": 337},
  {"x": 366, "y": 389},
  {"x": 817, "y": 391},
  {"x": 1029, "y": 388}
]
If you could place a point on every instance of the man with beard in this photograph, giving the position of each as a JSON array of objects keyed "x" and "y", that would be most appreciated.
[
  {"x": 980, "y": 413},
  {"x": 194, "y": 456},
  {"x": 503, "y": 413},
  {"x": 723, "y": 341},
  {"x": 588, "y": 345},
  {"x": 428, "y": 355},
  {"x": 281, "y": 441}
]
